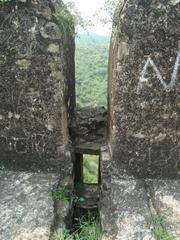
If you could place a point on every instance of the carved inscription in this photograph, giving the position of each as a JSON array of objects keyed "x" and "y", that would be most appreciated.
[
  {"x": 151, "y": 63},
  {"x": 36, "y": 143}
]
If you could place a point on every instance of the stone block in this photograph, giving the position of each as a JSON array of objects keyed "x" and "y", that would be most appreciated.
[
  {"x": 144, "y": 74},
  {"x": 36, "y": 87}
]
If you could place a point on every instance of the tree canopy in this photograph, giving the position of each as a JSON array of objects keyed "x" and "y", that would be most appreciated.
[{"x": 91, "y": 69}]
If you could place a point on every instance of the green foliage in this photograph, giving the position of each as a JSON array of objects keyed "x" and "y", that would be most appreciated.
[
  {"x": 108, "y": 10},
  {"x": 61, "y": 194},
  {"x": 90, "y": 168},
  {"x": 88, "y": 229},
  {"x": 159, "y": 231},
  {"x": 67, "y": 17},
  {"x": 64, "y": 19},
  {"x": 91, "y": 70},
  {"x": 64, "y": 236},
  {"x": 78, "y": 20}
]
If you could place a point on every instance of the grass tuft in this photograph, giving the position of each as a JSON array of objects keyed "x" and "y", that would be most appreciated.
[
  {"x": 63, "y": 236},
  {"x": 88, "y": 229},
  {"x": 159, "y": 231},
  {"x": 61, "y": 194}
]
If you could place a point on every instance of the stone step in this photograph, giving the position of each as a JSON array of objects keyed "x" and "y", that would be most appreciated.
[
  {"x": 165, "y": 198},
  {"x": 128, "y": 210},
  {"x": 87, "y": 199},
  {"x": 27, "y": 206},
  {"x": 124, "y": 212}
]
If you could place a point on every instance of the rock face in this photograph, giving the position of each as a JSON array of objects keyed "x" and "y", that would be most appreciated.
[
  {"x": 26, "y": 205},
  {"x": 129, "y": 206},
  {"x": 124, "y": 211},
  {"x": 36, "y": 86},
  {"x": 166, "y": 201},
  {"x": 144, "y": 84}
]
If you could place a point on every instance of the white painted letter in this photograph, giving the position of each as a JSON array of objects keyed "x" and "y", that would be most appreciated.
[{"x": 151, "y": 63}]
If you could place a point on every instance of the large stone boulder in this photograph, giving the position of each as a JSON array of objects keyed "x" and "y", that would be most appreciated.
[
  {"x": 36, "y": 85},
  {"x": 144, "y": 84},
  {"x": 26, "y": 205}
]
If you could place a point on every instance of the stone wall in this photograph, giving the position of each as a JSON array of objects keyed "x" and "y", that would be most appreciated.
[
  {"x": 89, "y": 129},
  {"x": 144, "y": 84},
  {"x": 36, "y": 87}
]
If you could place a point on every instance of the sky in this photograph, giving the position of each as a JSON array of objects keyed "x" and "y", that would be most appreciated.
[{"x": 89, "y": 9}]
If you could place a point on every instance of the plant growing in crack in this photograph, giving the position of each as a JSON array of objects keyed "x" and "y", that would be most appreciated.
[
  {"x": 61, "y": 194},
  {"x": 159, "y": 231},
  {"x": 67, "y": 17},
  {"x": 63, "y": 236},
  {"x": 87, "y": 229}
]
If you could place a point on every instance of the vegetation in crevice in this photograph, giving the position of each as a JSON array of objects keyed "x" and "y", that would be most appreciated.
[
  {"x": 87, "y": 229},
  {"x": 63, "y": 19},
  {"x": 61, "y": 194},
  {"x": 67, "y": 17},
  {"x": 159, "y": 231}
]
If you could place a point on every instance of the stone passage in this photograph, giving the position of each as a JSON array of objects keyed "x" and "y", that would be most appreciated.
[
  {"x": 43, "y": 137},
  {"x": 144, "y": 84},
  {"x": 89, "y": 131},
  {"x": 36, "y": 87}
]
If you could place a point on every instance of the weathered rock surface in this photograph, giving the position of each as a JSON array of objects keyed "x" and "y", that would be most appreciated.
[
  {"x": 128, "y": 216},
  {"x": 144, "y": 84},
  {"x": 105, "y": 192},
  {"x": 166, "y": 199},
  {"x": 124, "y": 210},
  {"x": 26, "y": 205},
  {"x": 37, "y": 87},
  {"x": 128, "y": 206}
]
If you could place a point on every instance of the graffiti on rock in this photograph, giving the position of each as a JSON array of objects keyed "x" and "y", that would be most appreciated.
[
  {"x": 151, "y": 63},
  {"x": 35, "y": 143}
]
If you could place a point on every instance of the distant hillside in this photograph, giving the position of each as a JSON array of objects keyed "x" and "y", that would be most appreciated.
[{"x": 91, "y": 69}]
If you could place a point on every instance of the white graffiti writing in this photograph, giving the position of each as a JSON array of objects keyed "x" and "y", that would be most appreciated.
[{"x": 165, "y": 85}]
